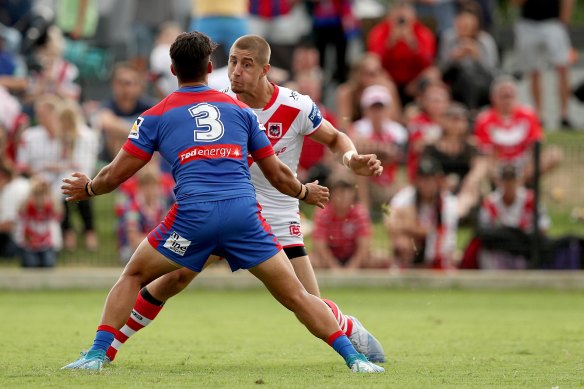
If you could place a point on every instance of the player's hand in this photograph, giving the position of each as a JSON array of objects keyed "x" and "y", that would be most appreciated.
[
  {"x": 366, "y": 165},
  {"x": 317, "y": 195},
  {"x": 74, "y": 187}
]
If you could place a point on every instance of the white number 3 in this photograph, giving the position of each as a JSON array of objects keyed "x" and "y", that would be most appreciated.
[{"x": 209, "y": 127}]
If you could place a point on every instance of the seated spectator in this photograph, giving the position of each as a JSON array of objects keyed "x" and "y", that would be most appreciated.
[
  {"x": 506, "y": 222},
  {"x": 13, "y": 191},
  {"x": 468, "y": 59},
  {"x": 39, "y": 214},
  {"x": 143, "y": 212},
  {"x": 425, "y": 127},
  {"x": 423, "y": 221},
  {"x": 57, "y": 76},
  {"x": 39, "y": 151},
  {"x": 506, "y": 131},
  {"x": 376, "y": 133},
  {"x": 305, "y": 59},
  {"x": 122, "y": 109},
  {"x": 164, "y": 81},
  {"x": 365, "y": 72},
  {"x": 462, "y": 164},
  {"x": 405, "y": 46},
  {"x": 342, "y": 231},
  {"x": 79, "y": 148}
]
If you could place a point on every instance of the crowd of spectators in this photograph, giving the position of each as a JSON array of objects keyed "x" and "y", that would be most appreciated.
[{"x": 418, "y": 83}]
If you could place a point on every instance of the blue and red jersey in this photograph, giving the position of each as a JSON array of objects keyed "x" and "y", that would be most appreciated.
[
  {"x": 205, "y": 136},
  {"x": 269, "y": 9}
]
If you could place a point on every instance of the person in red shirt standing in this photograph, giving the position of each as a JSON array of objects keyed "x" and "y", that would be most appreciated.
[
  {"x": 508, "y": 130},
  {"x": 406, "y": 47},
  {"x": 342, "y": 231}
]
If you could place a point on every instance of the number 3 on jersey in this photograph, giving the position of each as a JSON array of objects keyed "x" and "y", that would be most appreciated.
[{"x": 209, "y": 127}]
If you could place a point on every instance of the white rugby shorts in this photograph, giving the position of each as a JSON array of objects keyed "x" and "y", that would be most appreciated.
[{"x": 286, "y": 226}]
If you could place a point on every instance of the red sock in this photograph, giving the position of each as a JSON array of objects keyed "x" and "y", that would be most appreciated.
[
  {"x": 345, "y": 322},
  {"x": 142, "y": 314}
]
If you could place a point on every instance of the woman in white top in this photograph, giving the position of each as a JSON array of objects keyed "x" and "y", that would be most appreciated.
[{"x": 79, "y": 148}]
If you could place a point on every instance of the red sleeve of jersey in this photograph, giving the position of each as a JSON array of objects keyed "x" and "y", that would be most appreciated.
[
  {"x": 262, "y": 153},
  {"x": 136, "y": 151}
]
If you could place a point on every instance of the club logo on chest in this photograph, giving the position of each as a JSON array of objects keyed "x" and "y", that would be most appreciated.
[{"x": 274, "y": 130}]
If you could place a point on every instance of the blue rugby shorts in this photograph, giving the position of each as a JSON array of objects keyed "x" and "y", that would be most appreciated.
[{"x": 232, "y": 228}]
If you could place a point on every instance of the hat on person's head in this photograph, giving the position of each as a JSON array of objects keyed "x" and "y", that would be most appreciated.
[
  {"x": 375, "y": 94},
  {"x": 508, "y": 172},
  {"x": 428, "y": 166}
]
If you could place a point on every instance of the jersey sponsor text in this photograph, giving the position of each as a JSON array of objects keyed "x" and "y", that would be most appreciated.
[{"x": 209, "y": 152}]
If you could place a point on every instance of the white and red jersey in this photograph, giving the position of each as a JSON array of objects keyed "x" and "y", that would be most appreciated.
[
  {"x": 288, "y": 118},
  {"x": 35, "y": 225},
  {"x": 508, "y": 139},
  {"x": 441, "y": 239},
  {"x": 494, "y": 212},
  {"x": 392, "y": 133}
]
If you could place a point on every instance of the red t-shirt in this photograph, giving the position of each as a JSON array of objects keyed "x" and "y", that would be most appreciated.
[
  {"x": 341, "y": 233},
  {"x": 402, "y": 62},
  {"x": 508, "y": 139}
]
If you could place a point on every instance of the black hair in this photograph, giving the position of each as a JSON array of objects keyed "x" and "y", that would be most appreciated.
[{"x": 190, "y": 54}]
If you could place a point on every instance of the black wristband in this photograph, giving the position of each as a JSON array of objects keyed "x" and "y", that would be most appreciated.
[
  {"x": 91, "y": 188},
  {"x": 87, "y": 189},
  {"x": 300, "y": 191},
  {"x": 305, "y": 194}
]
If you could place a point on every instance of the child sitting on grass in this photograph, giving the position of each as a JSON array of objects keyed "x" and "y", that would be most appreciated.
[{"x": 40, "y": 215}]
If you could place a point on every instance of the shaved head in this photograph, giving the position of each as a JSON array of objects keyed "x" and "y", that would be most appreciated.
[{"x": 255, "y": 44}]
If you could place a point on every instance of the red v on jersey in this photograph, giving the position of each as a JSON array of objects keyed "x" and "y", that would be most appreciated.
[{"x": 280, "y": 122}]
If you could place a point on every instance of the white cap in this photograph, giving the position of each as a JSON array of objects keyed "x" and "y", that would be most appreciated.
[{"x": 375, "y": 94}]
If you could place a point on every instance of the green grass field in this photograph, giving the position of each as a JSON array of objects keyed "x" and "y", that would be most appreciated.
[{"x": 243, "y": 339}]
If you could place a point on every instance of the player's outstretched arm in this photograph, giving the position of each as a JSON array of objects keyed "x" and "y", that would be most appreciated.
[
  {"x": 80, "y": 187},
  {"x": 342, "y": 145},
  {"x": 282, "y": 178}
]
